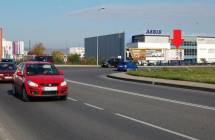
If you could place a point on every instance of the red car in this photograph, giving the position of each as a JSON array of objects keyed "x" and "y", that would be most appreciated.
[
  {"x": 39, "y": 79},
  {"x": 6, "y": 71}
]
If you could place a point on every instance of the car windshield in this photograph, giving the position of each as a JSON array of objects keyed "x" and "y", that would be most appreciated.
[
  {"x": 7, "y": 66},
  {"x": 124, "y": 63},
  {"x": 41, "y": 69}
]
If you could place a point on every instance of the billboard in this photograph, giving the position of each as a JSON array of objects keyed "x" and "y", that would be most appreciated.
[
  {"x": 174, "y": 54},
  {"x": 155, "y": 54},
  {"x": 138, "y": 54}
]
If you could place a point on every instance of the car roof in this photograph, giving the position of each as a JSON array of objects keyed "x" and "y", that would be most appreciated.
[{"x": 37, "y": 62}]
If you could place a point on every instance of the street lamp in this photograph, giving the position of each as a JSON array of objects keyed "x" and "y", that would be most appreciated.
[
  {"x": 97, "y": 38},
  {"x": 97, "y": 51},
  {"x": 97, "y": 43}
]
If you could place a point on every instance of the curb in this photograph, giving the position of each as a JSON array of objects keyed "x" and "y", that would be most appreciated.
[
  {"x": 84, "y": 66},
  {"x": 161, "y": 83}
]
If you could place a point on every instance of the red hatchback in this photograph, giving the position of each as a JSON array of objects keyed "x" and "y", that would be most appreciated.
[
  {"x": 39, "y": 79},
  {"x": 6, "y": 71}
]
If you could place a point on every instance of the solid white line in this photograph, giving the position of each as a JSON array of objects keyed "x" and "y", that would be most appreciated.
[
  {"x": 146, "y": 96},
  {"x": 71, "y": 99},
  {"x": 93, "y": 106},
  {"x": 157, "y": 127}
]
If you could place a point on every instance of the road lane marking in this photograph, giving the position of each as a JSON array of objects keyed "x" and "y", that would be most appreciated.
[
  {"x": 93, "y": 106},
  {"x": 157, "y": 127},
  {"x": 71, "y": 99},
  {"x": 146, "y": 96}
]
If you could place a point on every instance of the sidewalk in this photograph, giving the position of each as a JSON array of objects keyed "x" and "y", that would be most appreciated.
[{"x": 156, "y": 81}]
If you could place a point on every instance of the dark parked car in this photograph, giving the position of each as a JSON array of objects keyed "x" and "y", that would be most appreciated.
[
  {"x": 7, "y": 70},
  {"x": 112, "y": 62},
  {"x": 43, "y": 58},
  {"x": 7, "y": 60},
  {"x": 127, "y": 65}
]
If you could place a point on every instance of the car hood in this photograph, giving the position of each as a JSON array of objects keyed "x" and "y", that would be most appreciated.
[{"x": 46, "y": 79}]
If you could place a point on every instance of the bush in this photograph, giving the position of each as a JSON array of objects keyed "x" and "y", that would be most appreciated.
[
  {"x": 58, "y": 57},
  {"x": 74, "y": 59},
  {"x": 88, "y": 61}
]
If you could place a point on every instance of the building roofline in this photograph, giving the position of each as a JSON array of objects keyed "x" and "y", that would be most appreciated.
[
  {"x": 151, "y": 35},
  {"x": 205, "y": 36},
  {"x": 104, "y": 35}
]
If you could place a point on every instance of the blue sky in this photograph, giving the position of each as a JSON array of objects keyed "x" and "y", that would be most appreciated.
[{"x": 60, "y": 23}]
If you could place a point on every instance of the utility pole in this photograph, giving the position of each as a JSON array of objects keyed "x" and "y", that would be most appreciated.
[
  {"x": 97, "y": 51},
  {"x": 29, "y": 45}
]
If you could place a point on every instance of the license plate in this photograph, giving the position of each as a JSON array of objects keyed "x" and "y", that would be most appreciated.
[
  {"x": 50, "y": 89},
  {"x": 8, "y": 77}
]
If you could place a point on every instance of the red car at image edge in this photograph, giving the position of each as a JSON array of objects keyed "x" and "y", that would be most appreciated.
[{"x": 39, "y": 79}]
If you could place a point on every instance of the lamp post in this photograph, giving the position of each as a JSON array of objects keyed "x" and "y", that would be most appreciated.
[
  {"x": 97, "y": 51},
  {"x": 97, "y": 38}
]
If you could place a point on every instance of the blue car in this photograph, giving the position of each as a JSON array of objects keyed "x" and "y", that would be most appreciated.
[{"x": 127, "y": 65}]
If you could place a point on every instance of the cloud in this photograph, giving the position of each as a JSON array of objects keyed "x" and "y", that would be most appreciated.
[{"x": 193, "y": 17}]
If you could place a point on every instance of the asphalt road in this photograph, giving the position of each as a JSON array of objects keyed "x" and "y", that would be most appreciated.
[{"x": 100, "y": 108}]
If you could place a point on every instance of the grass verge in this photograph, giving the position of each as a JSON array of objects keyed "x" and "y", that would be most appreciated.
[{"x": 203, "y": 75}]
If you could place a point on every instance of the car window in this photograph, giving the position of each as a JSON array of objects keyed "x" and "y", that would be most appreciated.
[
  {"x": 41, "y": 69},
  {"x": 7, "y": 66}
]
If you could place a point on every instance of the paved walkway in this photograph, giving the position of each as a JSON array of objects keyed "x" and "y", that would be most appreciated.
[{"x": 156, "y": 81}]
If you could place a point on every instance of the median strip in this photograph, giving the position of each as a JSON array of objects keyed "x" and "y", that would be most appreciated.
[
  {"x": 146, "y": 96},
  {"x": 156, "y": 127}
]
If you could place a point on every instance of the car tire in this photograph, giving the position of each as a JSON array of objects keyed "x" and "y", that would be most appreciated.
[
  {"x": 63, "y": 98},
  {"x": 15, "y": 91},
  {"x": 24, "y": 95}
]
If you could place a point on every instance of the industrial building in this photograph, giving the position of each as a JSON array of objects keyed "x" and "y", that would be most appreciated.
[
  {"x": 105, "y": 47},
  {"x": 195, "y": 49},
  {"x": 1, "y": 39}
]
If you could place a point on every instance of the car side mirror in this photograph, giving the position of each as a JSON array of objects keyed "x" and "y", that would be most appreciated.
[
  {"x": 61, "y": 72},
  {"x": 19, "y": 73}
]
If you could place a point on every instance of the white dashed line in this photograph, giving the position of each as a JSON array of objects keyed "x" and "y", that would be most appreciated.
[
  {"x": 95, "y": 107},
  {"x": 146, "y": 96},
  {"x": 157, "y": 127},
  {"x": 71, "y": 99}
]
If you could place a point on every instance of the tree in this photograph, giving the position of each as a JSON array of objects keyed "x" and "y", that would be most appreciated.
[
  {"x": 74, "y": 59},
  {"x": 58, "y": 57},
  {"x": 38, "y": 49}
]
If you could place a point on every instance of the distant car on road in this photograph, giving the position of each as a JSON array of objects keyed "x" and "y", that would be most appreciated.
[
  {"x": 39, "y": 79},
  {"x": 112, "y": 62},
  {"x": 7, "y": 60},
  {"x": 7, "y": 69},
  {"x": 43, "y": 58},
  {"x": 127, "y": 65}
]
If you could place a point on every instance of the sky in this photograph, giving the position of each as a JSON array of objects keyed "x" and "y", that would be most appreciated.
[{"x": 65, "y": 23}]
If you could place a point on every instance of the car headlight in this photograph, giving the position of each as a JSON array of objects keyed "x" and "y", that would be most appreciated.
[
  {"x": 125, "y": 66},
  {"x": 64, "y": 83},
  {"x": 32, "y": 84}
]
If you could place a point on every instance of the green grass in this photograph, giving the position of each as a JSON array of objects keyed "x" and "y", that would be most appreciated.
[{"x": 203, "y": 75}]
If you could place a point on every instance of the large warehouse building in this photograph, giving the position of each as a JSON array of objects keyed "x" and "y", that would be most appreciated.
[
  {"x": 108, "y": 46},
  {"x": 1, "y": 39}
]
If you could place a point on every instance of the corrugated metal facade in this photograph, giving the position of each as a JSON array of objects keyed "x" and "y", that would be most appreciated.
[
  {"x": 1, "y": 38},
  {"x": 108, "y": 46}
]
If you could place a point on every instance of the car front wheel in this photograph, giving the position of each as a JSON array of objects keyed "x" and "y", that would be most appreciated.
[
  {"x": 63, "y": 98},
  {"x": 24, "y": 95},
  {"x": 15, "y": 90}
]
